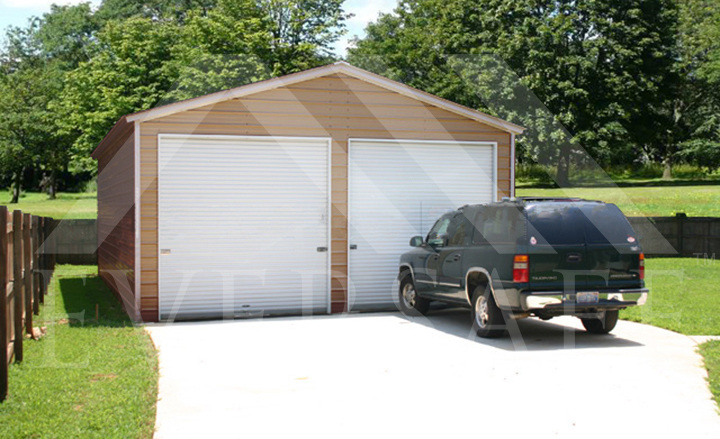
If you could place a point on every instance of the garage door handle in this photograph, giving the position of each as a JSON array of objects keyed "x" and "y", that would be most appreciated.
[
  {"x": 321, "y": 249},
  {"x": 353, "y": 246}
]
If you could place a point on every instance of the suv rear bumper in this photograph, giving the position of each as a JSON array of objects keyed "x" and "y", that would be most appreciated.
[{"x": 563, "y": 303}]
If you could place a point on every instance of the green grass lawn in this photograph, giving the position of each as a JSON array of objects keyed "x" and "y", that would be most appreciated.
[
  {"x": 86, "y": 378},
  {"x": 684, "y": 298},
  {"x": 711, "y": 353},
  {"x": 699, "y": 200},
  {"x": 66, "y": 206}
]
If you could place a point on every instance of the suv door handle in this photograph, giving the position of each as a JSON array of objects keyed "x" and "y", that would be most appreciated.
[{"x": 574, "y": 257}]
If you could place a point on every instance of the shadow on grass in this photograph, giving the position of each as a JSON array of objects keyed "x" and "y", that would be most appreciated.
[{"x": 83, "y": 295}]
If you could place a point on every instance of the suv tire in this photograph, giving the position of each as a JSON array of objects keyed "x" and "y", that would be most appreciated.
[
  {"x": 411, "y": 304},
  {"x": 602, "y": 326},
  {"x": 488, "y": 319}
]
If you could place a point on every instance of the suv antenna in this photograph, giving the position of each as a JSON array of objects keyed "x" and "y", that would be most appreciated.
[{"x": 421, "y": 212}]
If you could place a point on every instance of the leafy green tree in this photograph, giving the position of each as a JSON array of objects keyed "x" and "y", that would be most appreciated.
[
  {"x": 26, "y": 125},
  {"x": 129, "y": 73},
  {"x": 697, "y": 102},
  {"x": 302, "y": 32},
  {"x": 65, "y": 34},
  {"x": 146, "y": 61},
  {"x": 177, "y": 10},
  {"x": 590, "y": 63}
]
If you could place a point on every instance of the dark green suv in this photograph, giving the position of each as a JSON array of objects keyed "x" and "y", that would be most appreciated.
[{"x": 527, "y": 257}]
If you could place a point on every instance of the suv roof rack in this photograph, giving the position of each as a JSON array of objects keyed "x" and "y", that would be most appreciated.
[{"x": 567, "y": 199}]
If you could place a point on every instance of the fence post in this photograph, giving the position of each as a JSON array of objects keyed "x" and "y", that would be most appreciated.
[
  {"x": 27, "y": 274},
  {"x": 41, "y": 258},
  {"x": 18, "y": 285},
  {"x": 3, "y": 304},
  {"x": 53, "y": 244},
  {"x": 35, "y": 267},
  {"x": 680, "y": 218},
  {"x": 47, "y": 267}
]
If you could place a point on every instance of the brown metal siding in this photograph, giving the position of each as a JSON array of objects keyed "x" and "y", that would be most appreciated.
[
  {"x": 337, "y": 106},
  {"x": 116, "y": 215}
]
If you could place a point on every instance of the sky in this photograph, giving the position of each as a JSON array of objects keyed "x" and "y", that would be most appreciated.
[{"x": 17, "y": 13}]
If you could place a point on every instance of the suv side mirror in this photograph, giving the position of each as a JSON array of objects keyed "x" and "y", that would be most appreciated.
[
  {"x": 416, "y": 241},
  {"x": 439, "y": 241}
]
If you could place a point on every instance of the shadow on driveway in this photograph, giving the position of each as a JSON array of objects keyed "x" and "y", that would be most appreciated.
[{"x": 529, "y": 334}]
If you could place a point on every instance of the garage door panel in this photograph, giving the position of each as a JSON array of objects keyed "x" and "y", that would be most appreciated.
[
  {"x": 397, "y": 190},
  {"x": 243, "y": 219}
]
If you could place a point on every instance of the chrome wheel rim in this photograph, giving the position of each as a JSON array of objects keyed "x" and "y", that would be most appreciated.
[
  {"x": 409, "y": 296},
  {"x": 481, "y": 312}
]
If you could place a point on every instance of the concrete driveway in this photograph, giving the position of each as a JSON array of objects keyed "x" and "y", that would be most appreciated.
[{"x": 383, "y": 375}]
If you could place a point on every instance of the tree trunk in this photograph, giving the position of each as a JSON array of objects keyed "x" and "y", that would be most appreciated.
[
  {"x": 52, "y": 187},
  {"x": 667, "y": 167},
  {"x": 562, "y": 177},
  {"x": 16, "y": 186}
]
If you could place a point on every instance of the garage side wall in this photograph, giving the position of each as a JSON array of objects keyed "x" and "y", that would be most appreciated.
[
  {"x": 337, "y": 106},
  {"x": 116, "y": 217}
]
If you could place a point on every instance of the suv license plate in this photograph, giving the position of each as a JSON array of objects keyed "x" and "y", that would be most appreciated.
[{"x": 587, "y": 298}]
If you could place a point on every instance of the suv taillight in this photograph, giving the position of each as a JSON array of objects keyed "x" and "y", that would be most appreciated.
[
  {"x": 521, "y": 269},
  {"x": 642, "y": 266}
]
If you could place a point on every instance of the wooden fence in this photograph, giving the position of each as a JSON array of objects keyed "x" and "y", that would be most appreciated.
[
  {"x": 76, "y": 241},
  {"x": 683, "y": 235},
  {"x": 26, "y": 265}
]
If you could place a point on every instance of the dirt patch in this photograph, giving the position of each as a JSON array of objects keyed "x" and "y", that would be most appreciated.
[{"x": 103, "y": 376}]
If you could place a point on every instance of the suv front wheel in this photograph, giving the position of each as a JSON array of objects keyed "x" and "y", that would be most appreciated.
[
  {"x": 411, "y": 304},
  {"x": 488, "y": 319}
]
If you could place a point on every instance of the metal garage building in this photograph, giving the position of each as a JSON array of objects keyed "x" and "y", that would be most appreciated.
[{"x": 293, "y": 195}]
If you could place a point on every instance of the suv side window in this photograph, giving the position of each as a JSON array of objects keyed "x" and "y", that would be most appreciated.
[
  {"x": 498, "y": 225},
  {"x": 460, "y": 231},
  {"x": 439, "y": 230}
]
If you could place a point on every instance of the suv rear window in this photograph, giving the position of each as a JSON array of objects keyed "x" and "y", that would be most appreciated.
[
  {"x": 606, "y": 224},
  {"x": 572, "y": 224},
  {"x": 555, "y": 224}
]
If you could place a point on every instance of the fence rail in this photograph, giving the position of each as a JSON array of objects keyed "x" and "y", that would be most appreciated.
[{"x": 27, "y": 262}]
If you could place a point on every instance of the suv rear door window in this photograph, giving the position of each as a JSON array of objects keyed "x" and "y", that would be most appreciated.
[
  {"x": 459, "y": 231},
  {"x": 606, "y": 224},
  {"x": 498, "y": 225},
  {"x": 555, "y": 224}
]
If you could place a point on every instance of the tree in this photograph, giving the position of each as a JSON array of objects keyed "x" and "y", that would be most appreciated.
[
  {"x": 589, "y": 62},
  {"x": 26, "y": 125},
  {"x": 697, "y": 100},
  {"x": 176, "y": 10},
  {"x": 302, "y": 32},
  {"x": 146, "y": 61},
  {"x": 65, "y": 34},
  {"x": 128, "y": 74}
]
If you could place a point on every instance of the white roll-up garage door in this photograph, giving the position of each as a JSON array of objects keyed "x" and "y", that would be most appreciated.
[
  {"x": 243, "y": 226},
  {"x": 397, "y": 189}
]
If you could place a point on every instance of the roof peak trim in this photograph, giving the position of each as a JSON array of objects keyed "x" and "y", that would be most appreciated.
[{"x": 318, "y": 72}]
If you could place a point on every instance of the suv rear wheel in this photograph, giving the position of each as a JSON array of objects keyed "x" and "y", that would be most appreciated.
[
  {"x": 488, "y": 319},
  {"x": 602, "y": 326},
  {"x": 411, "y": 303}
]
